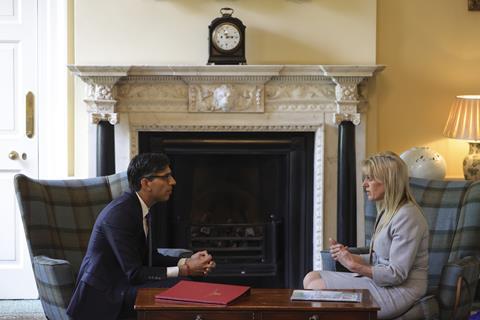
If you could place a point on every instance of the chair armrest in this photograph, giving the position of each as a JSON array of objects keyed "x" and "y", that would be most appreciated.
[
  {"x": 175, "y": 252},
  {"x": 55, "y": 282},
  {"x": 328, "y": 264},
  {"x": 457, "y": 285}
]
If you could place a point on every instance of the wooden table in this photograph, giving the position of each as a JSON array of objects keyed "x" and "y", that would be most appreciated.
[{"x": 261, "y": 304}]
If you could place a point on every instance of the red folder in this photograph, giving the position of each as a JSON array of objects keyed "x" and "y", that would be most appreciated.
[{"x": 204, "y": 292}]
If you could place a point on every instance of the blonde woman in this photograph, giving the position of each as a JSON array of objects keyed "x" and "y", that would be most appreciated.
[{"x": 395, "y": 271}]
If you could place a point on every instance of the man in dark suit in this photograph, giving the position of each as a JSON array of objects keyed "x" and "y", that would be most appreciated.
[{"x": 114, "y": 266}]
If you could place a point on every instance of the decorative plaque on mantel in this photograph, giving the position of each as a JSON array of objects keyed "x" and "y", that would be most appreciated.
[{"x": 225, "y": 98}]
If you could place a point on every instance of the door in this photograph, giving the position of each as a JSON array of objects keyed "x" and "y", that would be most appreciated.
[{"x": 18, "y": 149}]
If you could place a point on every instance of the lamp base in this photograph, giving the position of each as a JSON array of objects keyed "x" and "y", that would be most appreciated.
[{"x": 471, "y": 163}]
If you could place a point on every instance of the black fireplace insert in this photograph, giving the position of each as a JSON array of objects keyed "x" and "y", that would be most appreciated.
[{"x": 244, "y": 197}]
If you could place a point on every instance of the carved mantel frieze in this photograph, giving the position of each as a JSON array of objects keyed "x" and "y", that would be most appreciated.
[
  {"x": 226, "y": 98},
  {"x": 225, "y": 89}
]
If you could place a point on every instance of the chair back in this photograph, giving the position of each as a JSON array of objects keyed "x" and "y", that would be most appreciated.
[
  {"x": 452, "y": 210},
  {"x": 58, "y": 217}
]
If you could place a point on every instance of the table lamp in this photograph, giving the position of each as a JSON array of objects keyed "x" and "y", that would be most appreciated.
[{"x": 464, "y": 123}]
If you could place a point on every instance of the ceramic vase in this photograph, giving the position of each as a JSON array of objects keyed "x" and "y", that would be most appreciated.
[
  {"x": 423, "y": 162},
  {"x": 471, "y": 163}
]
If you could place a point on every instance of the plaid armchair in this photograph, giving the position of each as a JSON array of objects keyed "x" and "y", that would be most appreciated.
[
  {"x": 452, "y": 210},
  {"x": 58, "y": 216}
]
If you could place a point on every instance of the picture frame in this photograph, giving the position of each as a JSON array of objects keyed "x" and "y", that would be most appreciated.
[{"x": 474, "y": 5}]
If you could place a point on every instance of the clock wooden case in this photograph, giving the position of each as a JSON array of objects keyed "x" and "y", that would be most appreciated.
[{"x": 226, "y": 40}]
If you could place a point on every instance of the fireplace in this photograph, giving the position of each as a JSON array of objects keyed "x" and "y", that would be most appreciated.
[
  {"x": 126, "y": 102},
  {"x": 244, "y": 197}
]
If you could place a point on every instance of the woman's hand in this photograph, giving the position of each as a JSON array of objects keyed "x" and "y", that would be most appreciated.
[
  {"x": 341, "y": 254},
  {"x": 352, "y": 262},
  {"x": 336, "y": 248}
]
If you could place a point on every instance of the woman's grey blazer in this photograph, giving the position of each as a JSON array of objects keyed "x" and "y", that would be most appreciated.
[{"x": 399, "y": 264}]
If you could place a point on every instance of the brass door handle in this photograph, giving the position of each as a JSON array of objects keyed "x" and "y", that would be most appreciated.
[
  {"x": 29, "y": 114},
  {"x": 13, "y": 155}
]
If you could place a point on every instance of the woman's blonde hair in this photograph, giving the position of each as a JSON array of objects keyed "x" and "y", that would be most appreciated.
[{"x": 388, "y": 168}]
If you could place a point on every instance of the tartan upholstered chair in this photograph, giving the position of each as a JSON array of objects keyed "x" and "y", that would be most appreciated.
[
  {"x": 452, "y": 210},
  {"x": 58, "y": 216}
]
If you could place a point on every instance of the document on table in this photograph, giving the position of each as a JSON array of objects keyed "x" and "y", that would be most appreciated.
[{"x": 326, "y": 295}]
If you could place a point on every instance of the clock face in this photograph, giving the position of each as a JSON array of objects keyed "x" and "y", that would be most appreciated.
[{"x": 226, "y": 37}]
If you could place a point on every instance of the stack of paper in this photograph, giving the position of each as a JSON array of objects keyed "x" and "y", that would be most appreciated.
[{"x": 326, "y": 295}]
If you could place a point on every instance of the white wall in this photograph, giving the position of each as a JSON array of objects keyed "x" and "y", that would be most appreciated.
[{"x": 176, "y": 31}]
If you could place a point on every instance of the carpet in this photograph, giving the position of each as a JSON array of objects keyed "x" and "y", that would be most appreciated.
[{"x": 21, "y": 310}]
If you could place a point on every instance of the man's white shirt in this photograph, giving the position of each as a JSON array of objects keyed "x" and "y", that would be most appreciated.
[{"x": 172, "y": 272}]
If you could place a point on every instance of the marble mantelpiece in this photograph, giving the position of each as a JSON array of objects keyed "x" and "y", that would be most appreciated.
[{"x": 236, "y": 98}]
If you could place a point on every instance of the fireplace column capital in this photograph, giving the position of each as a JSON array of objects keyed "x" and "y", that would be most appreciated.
[
  {"x": 347, "y": 99},
  {"x": 100, "y": 102}
]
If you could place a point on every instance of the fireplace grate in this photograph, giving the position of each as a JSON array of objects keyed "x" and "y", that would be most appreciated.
[{"x": 238, "y": 248}]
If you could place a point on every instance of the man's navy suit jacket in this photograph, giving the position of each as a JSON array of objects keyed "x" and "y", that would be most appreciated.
[{"x": 115, "y": 261}]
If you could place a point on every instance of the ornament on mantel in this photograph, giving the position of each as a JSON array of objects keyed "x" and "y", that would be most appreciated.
[{"x": 423, "y": 162}]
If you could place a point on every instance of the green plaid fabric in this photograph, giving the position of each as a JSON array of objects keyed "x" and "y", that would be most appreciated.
[
  {"x": 54, "y": 281},
  {"x": 452, "y": 210},
  {"x": 466, "y": 272},
  {"x": 58, "y": 216}
]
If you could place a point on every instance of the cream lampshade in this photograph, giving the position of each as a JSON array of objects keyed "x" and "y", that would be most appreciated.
[{"x": 464, "y": 123}]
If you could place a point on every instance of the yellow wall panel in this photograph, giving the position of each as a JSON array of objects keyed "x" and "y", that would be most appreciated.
[{"x": 432, "y": 54}]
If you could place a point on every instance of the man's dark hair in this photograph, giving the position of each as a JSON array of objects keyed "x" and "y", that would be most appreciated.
[{"x": 144, "y": 165}]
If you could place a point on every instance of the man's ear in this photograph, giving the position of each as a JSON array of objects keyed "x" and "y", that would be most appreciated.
[{"x": 144, "y": 184}]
